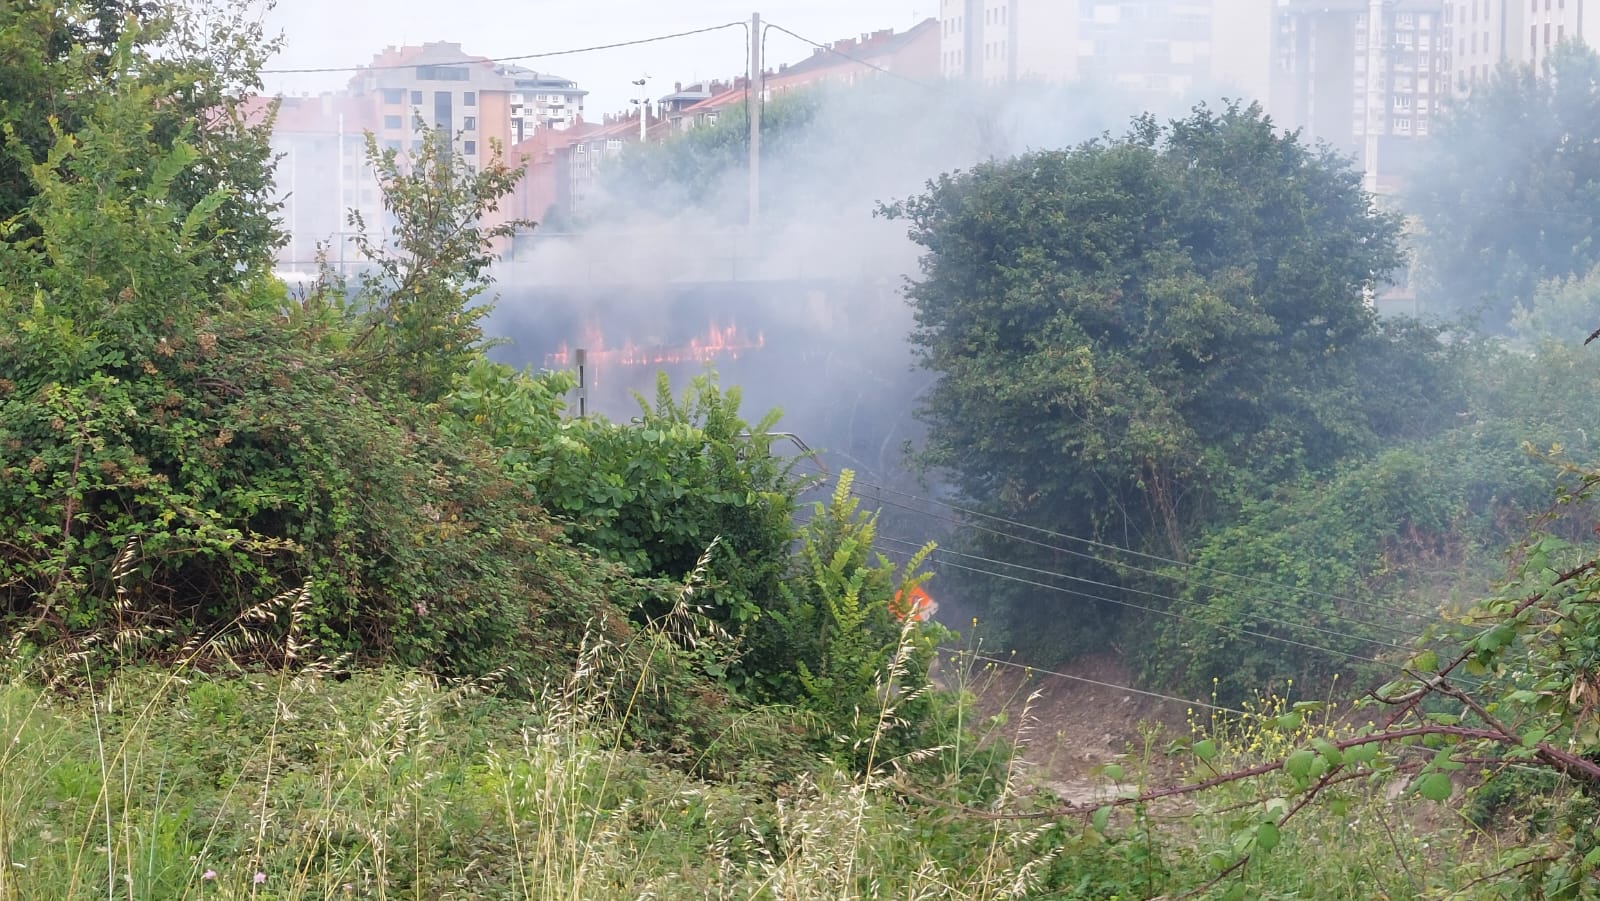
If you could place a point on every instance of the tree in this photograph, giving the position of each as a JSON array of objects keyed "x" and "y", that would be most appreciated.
[
  {"x": 58, "y": 59},
  {"x": 416, "y": 300},
  {"x": 1133, "y": 334},
  {"x": 1506, "y": 194}
]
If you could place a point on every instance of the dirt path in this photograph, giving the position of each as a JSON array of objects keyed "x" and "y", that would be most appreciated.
[{"x": 1068, "y": 728}]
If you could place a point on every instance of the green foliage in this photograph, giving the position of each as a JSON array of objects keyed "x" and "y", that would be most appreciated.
[
  {"x": 180, "y": 447},
  {"x": 420, "y": 325},
  {"x": 830, "y": 643},
  {"x": 652, "y": 494},
  {"x": 1178, "y": 307},
  {"x": 197, "y": 64},
  {"x": 1562, "y": 311},
  {"x": 1331, "y": 562},
  {"x": 1507, "y": 193},
  {"x": 1136, "y": 335}
]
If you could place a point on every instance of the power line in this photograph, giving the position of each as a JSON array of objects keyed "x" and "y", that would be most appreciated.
[
  {"x": 1159, "y": 612},
  {"x": 1287, "y": 624},
  {"x": 1138, "y": 691},
  {"x": 1392, "y": 630},
  {"x": 1384, "y": 608},
  {"x": 1334, "y": 614},
  {"x": 854, "y": 59},
  {"x": 520, "y": 57}
]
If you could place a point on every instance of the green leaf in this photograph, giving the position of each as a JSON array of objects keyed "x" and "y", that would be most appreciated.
[
  {"x": 1206, "y": 749},
  {"x": 1298, "y": 764},
  {"x": 1329, "y": 751},
  {"x": 1267, "y": 836},
  {"x": 1113, "y": 772},
  {"x": 1434, "y": 786},
  {"x": 1101, "y": 818}
]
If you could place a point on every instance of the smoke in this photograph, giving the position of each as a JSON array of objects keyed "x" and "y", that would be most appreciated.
[{"x": 662, "y": 262}]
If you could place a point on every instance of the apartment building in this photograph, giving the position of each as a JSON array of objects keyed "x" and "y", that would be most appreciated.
[
  {"x": 540, "y": 101},
  {"x": 323, "y": 173},
  {"x": 1485, "y": 33},
  {"x": 1156, "y": 47},
  {"x": 1369, "y": 86},
  {"x": 439, "y": 85}
]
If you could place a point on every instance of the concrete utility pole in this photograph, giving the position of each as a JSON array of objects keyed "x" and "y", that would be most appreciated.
[
  {"x": 756, "y": 82},
  {"x": 644, "y": 108},
  {"x": 581, "y": 357}
]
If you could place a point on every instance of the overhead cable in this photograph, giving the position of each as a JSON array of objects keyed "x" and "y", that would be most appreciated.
[
  {"x": 1268, "y": 583},
  {"x": 520, "y": 57}
]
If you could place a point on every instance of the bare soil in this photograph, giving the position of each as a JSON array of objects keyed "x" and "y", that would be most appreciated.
[{"x": 1067, "y": 728}]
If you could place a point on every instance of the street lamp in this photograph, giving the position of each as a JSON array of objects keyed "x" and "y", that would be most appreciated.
[{"x": 643, "y": 103}]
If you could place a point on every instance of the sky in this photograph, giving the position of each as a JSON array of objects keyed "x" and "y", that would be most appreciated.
[{"x": 321, "y": 34}]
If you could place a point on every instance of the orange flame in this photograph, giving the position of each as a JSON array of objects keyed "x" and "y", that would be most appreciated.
[
  {"x": 921, "y": 606},
  {"x": 718, "y": 341}
]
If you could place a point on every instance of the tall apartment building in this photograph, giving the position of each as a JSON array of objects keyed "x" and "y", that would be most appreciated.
[
  {"x": 1485, "y": 33},
  {"x": 1368, "y": 86},
  {"x": 1167, "y": 47},
  {"x": 438, "y": 85},
  {"x": 324, "y": 173},
  {"x": 540, "y": 100}
]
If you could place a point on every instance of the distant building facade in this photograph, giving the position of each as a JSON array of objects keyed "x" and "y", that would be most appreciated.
[
  {"x": 1158, "y": 47},
  {"x": 1486, "y": 33},
  {"x": 323, "y": 173},
  {"x": 541, "y": 101},
  {"x": 1370, "y": 87},
  {"x": 563, "y": 169}
]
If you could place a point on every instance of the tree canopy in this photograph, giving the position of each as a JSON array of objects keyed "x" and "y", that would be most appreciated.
[
  {"x": 1507, "y": 193},
  {"x": 1132, "y": 328}
]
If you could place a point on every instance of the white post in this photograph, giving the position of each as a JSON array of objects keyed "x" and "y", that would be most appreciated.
[
  {"x": 756, "y": 82},
  {"x": 338, "y": 204}
]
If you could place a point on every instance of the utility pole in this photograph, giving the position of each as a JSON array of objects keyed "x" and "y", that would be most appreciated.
[
  {"x": 644, "y": 108},
  {"x": 756, "y": 82},
  {"x": 339, "y": 207},
  {"x": 581, "y": 357}
]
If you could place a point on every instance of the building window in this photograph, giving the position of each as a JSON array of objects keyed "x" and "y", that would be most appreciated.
[
  {"x": 469, "y": 123},
  {"x": 392, "y": 96},
  {"x": 470, "y": 147},
  {"x": 469, "y": 98},
  {"x": 391, "y": 121},
  {"x": 416, "y": 98},
  {"x": 1402, "y": 126},
  {"x": 1561, "y": 33},
  {"x": 1422, "y": 126},
  {"x": 391, "y": 144},
  {"x": 443, "y": 73},
  {"x": 1547, "y": 34}
]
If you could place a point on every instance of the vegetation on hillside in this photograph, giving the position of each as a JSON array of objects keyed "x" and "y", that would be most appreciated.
[{"x": 302, "y": 596}]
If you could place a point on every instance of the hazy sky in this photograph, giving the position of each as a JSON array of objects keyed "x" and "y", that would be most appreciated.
[{"x": 320, "y": 33}]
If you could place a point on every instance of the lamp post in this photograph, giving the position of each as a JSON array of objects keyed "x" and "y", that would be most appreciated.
[{"x": 643, "y": 103}]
